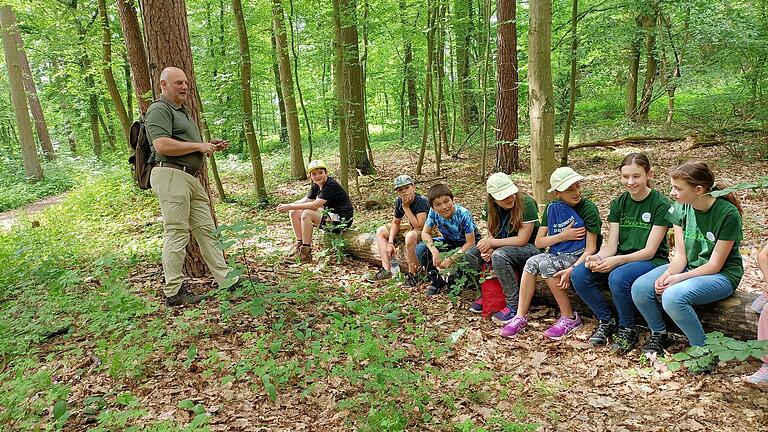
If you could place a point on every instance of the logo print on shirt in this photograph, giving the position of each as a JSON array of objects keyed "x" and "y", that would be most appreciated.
[
  {"x": 710, "y": 236},
  {"x": 646, "y": 217}
]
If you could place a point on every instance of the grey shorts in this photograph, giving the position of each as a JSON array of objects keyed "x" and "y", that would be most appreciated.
[{"x": 546, "y": 264}]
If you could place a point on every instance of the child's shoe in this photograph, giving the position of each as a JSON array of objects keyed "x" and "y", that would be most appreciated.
[
  {"x": 657, "y": 343},
  {"x": 504, "y": 316},
  {"x": 514, "y": 327},
  {"x": 563, "y": 326},
  {"x": 760, "y": 302},
  {"x": 759, "y": 378},
  {"x": 625, "y": 340},
  {"x": 477, "y": 306},
  {"x": 411, "y": 280},
  {"x": 604, "y": 331},
  {"x": 433, "y": 290},
  {"x": 382, "y": 274}
]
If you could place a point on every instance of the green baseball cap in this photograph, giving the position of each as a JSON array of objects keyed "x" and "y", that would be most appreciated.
[
  {"x": 562, "y": 178},
  {"x": 500, "y": 186},
  {"x": 403, "y": 180}
]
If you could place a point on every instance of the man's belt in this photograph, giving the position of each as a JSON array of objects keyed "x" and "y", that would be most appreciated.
[{"x": 181, "y": 167}]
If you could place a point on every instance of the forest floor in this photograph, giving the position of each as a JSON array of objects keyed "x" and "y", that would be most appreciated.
[
  {"x": 319, "y": 348},
  {"x": 7, "y": 219}
]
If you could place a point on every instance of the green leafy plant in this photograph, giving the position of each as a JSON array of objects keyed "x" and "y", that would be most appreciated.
[{"x": 718, "y": 347}]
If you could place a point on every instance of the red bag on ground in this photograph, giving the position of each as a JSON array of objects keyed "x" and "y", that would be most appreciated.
[{"x": 492, "y": 294}]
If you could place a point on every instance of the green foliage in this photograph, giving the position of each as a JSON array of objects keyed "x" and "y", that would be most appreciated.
[
  {"x": 60, "y": 176},
  {"x": 718, "y": 348}
]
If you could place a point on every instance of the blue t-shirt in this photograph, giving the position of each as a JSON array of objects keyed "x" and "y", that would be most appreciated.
[
  {"x": 456, "y": 227},
  {"x": 559, "y": 216},
  {"x": 420, "y": 204}
]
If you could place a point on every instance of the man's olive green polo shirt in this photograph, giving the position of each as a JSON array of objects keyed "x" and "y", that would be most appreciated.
[{"x": 165, "y": 119}]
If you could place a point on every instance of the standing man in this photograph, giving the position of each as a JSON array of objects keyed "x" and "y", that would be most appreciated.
[{"x": 178, "y": 159}]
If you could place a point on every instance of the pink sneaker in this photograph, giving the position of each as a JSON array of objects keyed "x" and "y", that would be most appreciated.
[
  {"x": 759, "y": 378},
  {"x": 563, "y": 326},
  {"x": 477, "y": 306},
  {"x": 514, "y": 327},
  {"x": 760, "y": 302}
]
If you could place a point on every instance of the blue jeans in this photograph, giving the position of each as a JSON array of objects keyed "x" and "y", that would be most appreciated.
[
  {"x": 678, "y": 301},
  {"x": 619, "y": 281},
  {"x": 425, "y": 259}
]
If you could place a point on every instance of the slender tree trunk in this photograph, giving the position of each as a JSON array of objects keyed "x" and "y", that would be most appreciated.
[
  {"x": 108, "y": 132},
  {"x": 410, "y": 80},
  {"x": 286, "y": 83},
  {"x": 507, "y": 152},
  {"x": 205, "y": 131},
  {"x": 32, "y": 167},
  {"x": 137, "y": 55},
  {"x": 540, "y": 97},
  {"x": 128, "y": 86},
  {"x": 442, "y": 109},
  {"x": 630, "y": 108},
  {"x": 109, "y": 77},
  {"x": 34, "y": 101},
  {"x": 165, "y": 24},
  {"x": 649, "y": 21},
  {"x": 463, "y": 30},
  {"x": 279, "y": 91},
  {"x": 245, "y": 86},
  {"x": 298, "y": 84},
  {"x": 571, "y": 84},
  {"x": 427, "y": 108},
  {"x": 486, "y": 14},
  {"x": 357, "y": 128},
  {"x": 339, "y": 79}
]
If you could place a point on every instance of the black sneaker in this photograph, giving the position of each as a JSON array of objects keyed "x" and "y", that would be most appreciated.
[
  {"x": 382, "y": 274},
  {"x": 433, "y": 290},
  {"x": 183, "y": 297},
  {"x": 240, "y": 282},
  {"x": 604, "y": 331},
  {"x": 411, "y": 280},
  {"x": 625, "y": 340},
  {"x": 657, "y": 343}
]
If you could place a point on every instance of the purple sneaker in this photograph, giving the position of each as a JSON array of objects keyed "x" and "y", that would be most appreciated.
[
  {"x": 563, "y": 326},
  {"x": 477, "y": 306},
  {"x": 760, "y": 302},
  {"x": 504, "y": 316},
  {"x": 514, "y": 327}
]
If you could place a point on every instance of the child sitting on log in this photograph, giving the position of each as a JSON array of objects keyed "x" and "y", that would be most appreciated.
[
  {"x": 760, "y": 305},
  {"x": 414, "y": 207}
]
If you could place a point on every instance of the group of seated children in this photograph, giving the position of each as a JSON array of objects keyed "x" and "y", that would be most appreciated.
[{"x": 634, "y": 261}]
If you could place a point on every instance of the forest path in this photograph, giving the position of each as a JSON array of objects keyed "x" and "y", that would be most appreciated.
[{"x": 8, "y": 218}]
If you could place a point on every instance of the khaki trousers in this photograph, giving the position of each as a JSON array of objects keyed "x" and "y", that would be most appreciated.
[{"x": 184, "y": 206}]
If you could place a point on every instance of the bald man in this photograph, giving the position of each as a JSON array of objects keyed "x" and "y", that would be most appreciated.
[{"x": 178, "y": 159}]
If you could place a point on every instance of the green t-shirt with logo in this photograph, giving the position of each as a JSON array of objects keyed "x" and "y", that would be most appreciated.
[
  {"x": 164, "y": 119},
  {"x": 530, "y": 214},
  {"x": 701, "y": 230},
  {"x": 636, "y": 219}
]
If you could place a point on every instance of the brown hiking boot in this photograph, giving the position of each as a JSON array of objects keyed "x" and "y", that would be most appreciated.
[
  {"x": 183, "y": 297},
  {"x": 294, "y": 252},
  {"x": 305, "y": 254}
]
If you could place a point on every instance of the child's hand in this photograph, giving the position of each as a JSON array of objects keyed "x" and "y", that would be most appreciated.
[
  {"x": 390, "y": 250},
  {"x": 662, "y": 282},
  {"x": 564, "y": 278},
  {"x": 486, "y": 256},
  {"x": 408, "y": 199},
  {"x": 436, "y": 260},
  {"x": 592, "y": 261},
  {"x": 571, "y": 233},
  {"x": 446, "y": 263},
  {"x": 283, "y": 207},
  {"x": 484, "y": 245},
  {"x": 607, "y": 264}
]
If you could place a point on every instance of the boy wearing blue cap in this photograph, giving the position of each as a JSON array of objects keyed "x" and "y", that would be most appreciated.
[{"x": 414, "y": 207}]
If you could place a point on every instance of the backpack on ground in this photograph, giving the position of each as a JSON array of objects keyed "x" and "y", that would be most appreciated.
[{"x": 143, "y": 154}]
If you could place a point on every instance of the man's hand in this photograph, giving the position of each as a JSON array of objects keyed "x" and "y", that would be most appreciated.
[
  {"x": 571, "y": 233},
  {"x": 219, "y": 144},
  {"x": 212, "y": 146}
]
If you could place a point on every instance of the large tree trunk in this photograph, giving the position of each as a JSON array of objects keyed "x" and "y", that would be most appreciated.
[
  {"x": 165, "y": 24},
  {"x": 507, "y": 152},
  {"x": 649, "y": 21},
  {"x": 34, "y": 101},
  {"x": 137, "y": 56},
  {"x": 32, "y": 167},
  {"x": 541, "y": 104},
  {"x": 109, "y": 77},
  {"x": 463, "y": 30},
  {"x": 279, "y": 91},
  {"x": 286, "y": 83},
  {"x": 245, "y": 86},
  {"x": 571, "y": 84},
  {"x": 339, "y": 78},
  {"x": 357, "y": 128},
  {"x": 630, "y": 108}
]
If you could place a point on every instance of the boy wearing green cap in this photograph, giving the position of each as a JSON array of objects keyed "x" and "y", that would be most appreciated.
[
  {"x": 326, "y": 203},
  {"x": 414, "y": 207}
]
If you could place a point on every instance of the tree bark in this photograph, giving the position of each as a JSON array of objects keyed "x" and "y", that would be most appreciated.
[
  {"x": 136, "y": 53},
  {"x": 507, "y": 151},
  {"x": 409, "y": 74},
  {"x": 571, "y": 84},
  {"x": 649, "y": 21},
  {"x": 167, "y": 30},
  {"x": 286, "y": 83},
  {"x": 339, "y": 78},
  {"x": 41, "y": 126},
  {"x": 32, "y": 167},
  {"x": 245, "y": 86},
  {"x": 630, "y": 108},
  {"x": 279, "y": 91},
  {"x": 442, "y": 109},
  {"x": 427, "y": 107},
  {"x": 463, "y": 30},
  {"x": 295, "y": 53},
  {"x": 357, "y": 128},
  {"x": 109, "y": 77},
  {"x": 205, "y": 131},
  {"x": 541, "y": 105}
]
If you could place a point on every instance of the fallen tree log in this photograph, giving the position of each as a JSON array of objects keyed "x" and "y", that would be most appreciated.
[
  {"x": 731, "y": 316},
  {"x": 625, "y": 141}
]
